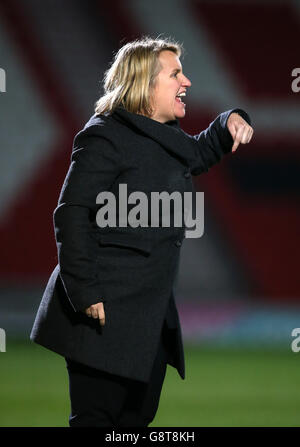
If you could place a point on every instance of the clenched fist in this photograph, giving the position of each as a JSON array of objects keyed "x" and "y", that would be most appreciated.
[{"x": 96, "y": 311}]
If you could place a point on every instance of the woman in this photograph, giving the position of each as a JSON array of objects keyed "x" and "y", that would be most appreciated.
[{"x": 109, "y": 307}]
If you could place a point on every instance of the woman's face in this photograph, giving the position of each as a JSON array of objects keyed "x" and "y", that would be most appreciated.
[{"x": 169, "y": 83}]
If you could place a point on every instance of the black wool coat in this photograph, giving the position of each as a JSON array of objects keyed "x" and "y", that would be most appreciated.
[{"x": 132, "y": 270}]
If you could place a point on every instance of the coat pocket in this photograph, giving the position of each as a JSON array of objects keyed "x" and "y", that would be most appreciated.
[{"x": 132, "y": 241}]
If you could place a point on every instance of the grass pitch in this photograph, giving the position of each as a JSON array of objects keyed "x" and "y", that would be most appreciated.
[{"x": 223, "y": 388}]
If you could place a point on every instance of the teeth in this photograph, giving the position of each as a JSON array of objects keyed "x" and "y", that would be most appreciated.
[{"x": 182, "y": 94}]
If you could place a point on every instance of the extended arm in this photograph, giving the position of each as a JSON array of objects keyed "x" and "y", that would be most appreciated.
[{"x": 223, "y": 135}]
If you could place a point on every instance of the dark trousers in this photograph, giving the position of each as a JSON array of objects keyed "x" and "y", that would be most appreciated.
[{"x": 101, "y": 399}]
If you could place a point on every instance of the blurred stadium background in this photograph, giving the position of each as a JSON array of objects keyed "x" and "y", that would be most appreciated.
[{"x": 239, "y": 288}]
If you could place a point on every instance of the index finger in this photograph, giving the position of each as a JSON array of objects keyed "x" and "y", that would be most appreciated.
[{"x": 238, "y": 138}]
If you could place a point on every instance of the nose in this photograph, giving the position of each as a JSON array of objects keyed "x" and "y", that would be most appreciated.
[{"x": 186, "y": 82}]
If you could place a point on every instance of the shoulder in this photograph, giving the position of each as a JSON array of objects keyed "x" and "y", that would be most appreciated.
[
  {"x": 98, "y": 129},
  {"x": 97, "y": 139},
  {"x": 103, "y": 126},
  {"x": 97, "y": 125}
]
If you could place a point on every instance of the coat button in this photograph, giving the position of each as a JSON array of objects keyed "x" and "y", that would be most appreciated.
[
  {"x": 187, "y": 174},
  {"x": 178, "y": 243}
]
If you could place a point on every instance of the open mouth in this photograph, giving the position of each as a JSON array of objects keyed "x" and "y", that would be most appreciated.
[{"x": 179, "y": 96}]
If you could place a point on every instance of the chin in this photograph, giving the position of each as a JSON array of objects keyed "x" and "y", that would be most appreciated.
[
  {"x": 180, "y": 114},
  {"x": 179, "y": 111}
]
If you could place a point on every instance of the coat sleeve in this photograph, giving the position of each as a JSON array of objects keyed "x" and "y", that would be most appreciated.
[
  {"x": 95, "y": 163},
  {"x": 214, "y": 142}
]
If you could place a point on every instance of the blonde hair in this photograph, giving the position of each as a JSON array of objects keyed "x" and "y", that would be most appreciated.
[{"x": 132, "y": 74}]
